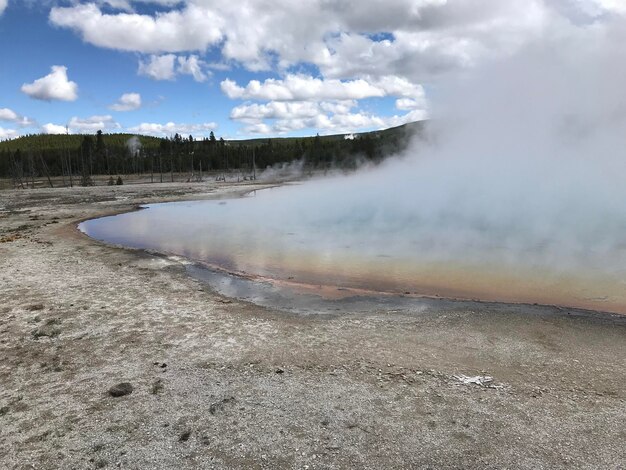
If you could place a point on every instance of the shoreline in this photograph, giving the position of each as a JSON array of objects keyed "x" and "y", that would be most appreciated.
[{"x": 248, "y": 385}]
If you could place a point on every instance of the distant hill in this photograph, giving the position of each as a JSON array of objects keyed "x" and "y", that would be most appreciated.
[
  {"x": 119, "y": 154},
  {"x": 48, "y": 142}
]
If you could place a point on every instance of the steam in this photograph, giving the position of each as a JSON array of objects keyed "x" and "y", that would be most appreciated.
[
  {"x": 283, "y": 171},
  {"x": 134, "y": 145},
  {"x": 525, "y": 164},
  {"x": 518, "y": 192}
]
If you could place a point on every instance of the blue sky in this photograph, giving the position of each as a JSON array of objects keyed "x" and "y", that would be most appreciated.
[{"x": 252, "y": 67}]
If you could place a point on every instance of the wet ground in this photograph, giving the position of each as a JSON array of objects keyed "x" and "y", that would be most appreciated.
[{"x": 221, "y": 382}]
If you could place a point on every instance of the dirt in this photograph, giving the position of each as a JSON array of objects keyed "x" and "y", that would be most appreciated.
[{"x": 221, "y": 383}]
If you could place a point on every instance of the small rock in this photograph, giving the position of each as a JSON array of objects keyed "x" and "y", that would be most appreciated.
[
  {"x": 280, "y": 371},
  {"x": 49, "y": 329},
  {"x": 35, "y": 307},
  {"x": 121, "y": 389},
  {"x": 215, "y": 407},
  {"x": 184, "y": 437},
  {"x": 157, "y": 387}
]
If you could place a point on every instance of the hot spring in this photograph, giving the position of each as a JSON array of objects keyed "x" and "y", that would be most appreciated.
[
  {"x": 297, "y": 237},
  {"x": 516, "y": 194}
]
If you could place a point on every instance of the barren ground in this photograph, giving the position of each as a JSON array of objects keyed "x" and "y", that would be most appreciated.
[{"x": 219, "y": 383}]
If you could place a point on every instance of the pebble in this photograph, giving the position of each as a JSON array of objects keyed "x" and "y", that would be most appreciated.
[{"x": 121, "y": 389}]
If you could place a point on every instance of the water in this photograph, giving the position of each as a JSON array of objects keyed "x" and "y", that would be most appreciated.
[{"x": 271, "y": 236}]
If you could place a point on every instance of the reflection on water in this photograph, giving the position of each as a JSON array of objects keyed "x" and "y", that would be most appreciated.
[{"x": 272, "y": 235}]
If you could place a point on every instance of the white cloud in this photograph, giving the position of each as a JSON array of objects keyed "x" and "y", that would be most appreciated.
[
  {"x": 598, "y": 8},
  {"x": 334, "y": 123},
  {"x": 78, "y": 125},
  {"x": 9, "y": 115},
  {"x": 407, "y": 104},
  {"x": 92, "y": 124},
  {"x": 171, "y": 128},
  {"x": 324, "y": 117},
  {"x": 193, "y": 28},
  {"x": 345, "y": 39},
  {"x": 288, "y": 110},
  {"x": 303, "y": 87},
  {"x": 158, "y": 67},
  {"x": 168, "y": 66},
  {"x": 303, "y": 102},
  {"x": 3, "y": 5},
  {"x": 54, "y": 86},
  {"x": 365, "y": 49},
  {"x": 618, "y": 6},
  {"x": 342, "y": 38},
  {"x": 127, "y": 102},
  {"x": 8, "y": 133},
  {"x": 53, "y": 129},
  {"x": 192, "y": 65}
]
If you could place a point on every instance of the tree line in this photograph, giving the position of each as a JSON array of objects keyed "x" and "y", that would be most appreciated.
[{"x": 77, "y": 158}]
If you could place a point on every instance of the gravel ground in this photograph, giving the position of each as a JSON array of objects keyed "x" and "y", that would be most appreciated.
[{"x": 220, "y": 383}]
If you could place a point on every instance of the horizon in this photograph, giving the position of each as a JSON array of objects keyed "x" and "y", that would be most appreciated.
[{"x": 346, "y": 135}]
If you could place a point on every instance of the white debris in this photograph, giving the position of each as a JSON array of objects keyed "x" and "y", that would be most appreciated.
[{"x": 482, "y": 380}]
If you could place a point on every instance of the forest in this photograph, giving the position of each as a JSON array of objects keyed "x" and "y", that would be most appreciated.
[{"x": 76, "y": 158}]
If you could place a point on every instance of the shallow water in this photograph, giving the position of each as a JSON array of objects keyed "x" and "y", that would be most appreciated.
[{"x": 271, "y": 236}]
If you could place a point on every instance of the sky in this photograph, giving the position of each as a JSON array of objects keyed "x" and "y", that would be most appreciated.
[{"x": 251, "y": 68}]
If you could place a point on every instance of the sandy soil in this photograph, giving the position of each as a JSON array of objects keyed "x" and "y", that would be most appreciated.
[{"x": 219, "y": 383}]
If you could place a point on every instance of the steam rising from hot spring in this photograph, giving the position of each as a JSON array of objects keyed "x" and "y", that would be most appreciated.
[
  {"x": 525, "y": 162},
  {"x": 517, "y": 193}
]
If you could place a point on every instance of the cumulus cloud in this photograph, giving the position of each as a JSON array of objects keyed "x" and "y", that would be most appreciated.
[
  {"x": 8, "y": 133},
  {"x": 299, "y": 102},
  {"x": 416, "y": 39},
  {"x": 365, "y": 49},
  {"x": 78, "y": 125},
  {"x": 288, "y": 110},
  {"x": 127, "y": 102},
  {"x": 168, "y": 66},
  {"x": 303, "y": 87},
  {"x": 9, "y": 115},
  {"x": 51, "y": 128},
  {"x": 338, "y": 123},
  {"x": 341, "y": 38},
  {"x": 3, "y": 5},
  {"x": 192, "y": 28},
  {"x": 406, "y": 104},
  {"x": 54, "y": 86},
  {"x": 171, "y": 128},
  {"x": 93, "y": 124},
  {"x": 192, "y": 65},
  {"x": 158, "y": 67}
]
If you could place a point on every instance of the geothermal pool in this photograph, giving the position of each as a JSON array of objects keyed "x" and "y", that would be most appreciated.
[{"x": 296, "y": 237}]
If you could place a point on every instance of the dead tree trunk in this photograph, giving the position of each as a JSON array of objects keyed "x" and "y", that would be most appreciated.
[{"x": 45, "y": 171}]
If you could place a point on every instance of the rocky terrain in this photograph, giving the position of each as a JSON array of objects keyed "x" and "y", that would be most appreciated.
[{"x": 115, "y": 358}]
